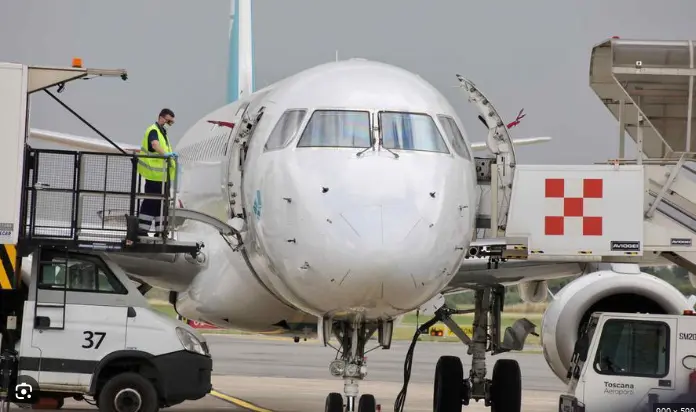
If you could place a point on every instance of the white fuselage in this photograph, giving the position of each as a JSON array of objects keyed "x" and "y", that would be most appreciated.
[{"x": 338, "y": 231}]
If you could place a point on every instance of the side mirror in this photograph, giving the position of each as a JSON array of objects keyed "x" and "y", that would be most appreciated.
[{"x": 581, "y": 347}]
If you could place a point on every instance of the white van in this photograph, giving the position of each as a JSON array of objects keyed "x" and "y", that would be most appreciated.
[{"x": 87, "y": 330}]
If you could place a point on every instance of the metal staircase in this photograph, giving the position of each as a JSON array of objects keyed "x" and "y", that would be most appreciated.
[{"x": 648, "y": 85}]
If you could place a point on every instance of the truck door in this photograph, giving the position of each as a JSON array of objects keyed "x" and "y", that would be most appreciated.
[
  {"x": 630, "y": 364},
  {"x": 79, "y": 317}
]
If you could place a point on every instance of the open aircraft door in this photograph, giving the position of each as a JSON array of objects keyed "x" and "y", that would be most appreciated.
[
  {"x": 230, "y": 182},
  {"x": 236, "y": 156}
]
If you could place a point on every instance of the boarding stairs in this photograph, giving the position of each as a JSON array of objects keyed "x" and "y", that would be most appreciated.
[{"x": 649, "y": 87}]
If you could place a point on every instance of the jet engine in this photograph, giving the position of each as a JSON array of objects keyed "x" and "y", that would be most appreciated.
[
  {"x": 602, "y": 291},
  {"x": 534, "y": 291}
]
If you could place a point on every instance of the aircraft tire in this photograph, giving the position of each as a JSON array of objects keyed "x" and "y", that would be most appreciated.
[
  {"x": 334, "y": 402},
  {"x": 367, "y": 403},
  {"x": 447, "y": 389},
  {"x": 506, "y": 386}
]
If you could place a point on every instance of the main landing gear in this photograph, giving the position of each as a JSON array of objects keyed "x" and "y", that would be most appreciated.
[
  {"x": 351, "y": 363},
  {"x": 503, "y": 392}
]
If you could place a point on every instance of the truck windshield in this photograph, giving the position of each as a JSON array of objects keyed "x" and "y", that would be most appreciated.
[{"x": 633, "y": 348}]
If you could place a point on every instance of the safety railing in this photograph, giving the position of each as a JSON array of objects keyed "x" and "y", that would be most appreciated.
[{"x": 85, "y": 197}]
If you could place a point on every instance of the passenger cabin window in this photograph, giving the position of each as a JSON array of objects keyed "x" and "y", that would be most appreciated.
[
  {"x": 410, "y": 131},
  {"x": 286, "y": 128},
  {"x": 337, "y": 128},
  {"x": 633, "y": 348},
  {"x": 455, "y": 137},
  {"x": 83, "y": 275}
]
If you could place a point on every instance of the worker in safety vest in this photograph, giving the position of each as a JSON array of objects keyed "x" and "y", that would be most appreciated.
[{"x": 153, "y": 171}]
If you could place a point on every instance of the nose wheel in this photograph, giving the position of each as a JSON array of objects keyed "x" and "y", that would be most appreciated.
[
  {"x": 334, "y": 403},
  {"x": 351, "y": 364},
  {"x": 367, "y": 403}
]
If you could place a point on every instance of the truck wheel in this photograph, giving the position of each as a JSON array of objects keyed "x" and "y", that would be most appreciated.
[
  {"x": 506, "y": 386},
  {"x": 449, "y": 379},
  {"x": 128, "y": 392}
]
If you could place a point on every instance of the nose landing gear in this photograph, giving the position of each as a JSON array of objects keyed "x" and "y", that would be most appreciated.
[{"x": 351, "y": 363}]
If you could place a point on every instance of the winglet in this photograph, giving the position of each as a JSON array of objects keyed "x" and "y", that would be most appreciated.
[{"x": 79, "y": 142}]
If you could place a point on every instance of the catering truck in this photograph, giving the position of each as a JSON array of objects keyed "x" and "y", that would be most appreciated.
[{"x": 72, "y": 322}]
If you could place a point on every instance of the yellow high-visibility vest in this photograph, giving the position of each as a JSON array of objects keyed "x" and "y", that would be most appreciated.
[{"x": 152, "y": 168}]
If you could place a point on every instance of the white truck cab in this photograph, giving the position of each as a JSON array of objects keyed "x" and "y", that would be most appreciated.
[
  {"x": 87, "y": 330},
  {"x": 629, "y": 362}
]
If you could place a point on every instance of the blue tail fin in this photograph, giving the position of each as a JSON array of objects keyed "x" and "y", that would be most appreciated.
[{"x": 240, "y": 69}]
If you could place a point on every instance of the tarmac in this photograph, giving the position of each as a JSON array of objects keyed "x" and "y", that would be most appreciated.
[{"x": 273, "y": 374}]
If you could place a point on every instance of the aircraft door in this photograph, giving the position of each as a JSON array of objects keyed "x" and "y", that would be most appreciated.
[
  {"x": 231, "y": 177},
  {"x": 235, "y": 170}
]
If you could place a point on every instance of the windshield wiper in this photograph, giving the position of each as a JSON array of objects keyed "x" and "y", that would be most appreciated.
[
  {"x": 363, "y": 151},
  {"x": 381, "y": 145}
]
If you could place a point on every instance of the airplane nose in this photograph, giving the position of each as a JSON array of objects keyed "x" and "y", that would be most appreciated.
[
  {"x": 381, "y": 260},
  {"x": 378, "y": 237},
  {"x": 377, "y": 229}
]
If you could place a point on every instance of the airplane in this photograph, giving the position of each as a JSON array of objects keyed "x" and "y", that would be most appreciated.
[{"x": 352, "y": 188}]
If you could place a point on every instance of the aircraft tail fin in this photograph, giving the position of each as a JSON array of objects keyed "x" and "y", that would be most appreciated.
[{"x": 240, "y": 69}]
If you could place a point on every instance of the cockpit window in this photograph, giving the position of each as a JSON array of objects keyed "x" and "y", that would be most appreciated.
[
  {"x": 410, "y": 131},
  {"x": 454, "y": 135},
  {"x": 337, "y": 128},
  {"x": 286, "y": 128}
]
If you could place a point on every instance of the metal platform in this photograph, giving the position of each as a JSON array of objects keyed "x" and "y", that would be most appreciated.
[
  {"x": 648, "y": 85},
  {"x": 83, "y": 200}
]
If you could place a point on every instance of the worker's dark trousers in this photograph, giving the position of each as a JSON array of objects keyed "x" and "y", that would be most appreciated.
[{"x": 150, "y": 211}]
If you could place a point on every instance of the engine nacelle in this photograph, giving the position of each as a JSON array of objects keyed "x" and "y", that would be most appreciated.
[
  {"x": 603, "y": 291},
  {"x": 534, "y": 291}
]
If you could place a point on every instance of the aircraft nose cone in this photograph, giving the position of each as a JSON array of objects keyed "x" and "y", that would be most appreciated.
[{"x": 379, "y": 229}]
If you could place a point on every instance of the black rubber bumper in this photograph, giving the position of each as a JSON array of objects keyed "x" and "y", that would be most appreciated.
[{"x": 183, "y": 376}]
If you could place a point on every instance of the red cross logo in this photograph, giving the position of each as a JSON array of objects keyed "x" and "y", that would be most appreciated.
[{"x": 574, "y": 207}]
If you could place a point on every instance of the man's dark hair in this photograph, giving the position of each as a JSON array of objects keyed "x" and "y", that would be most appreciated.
[{"x": 166, "y": 112}]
